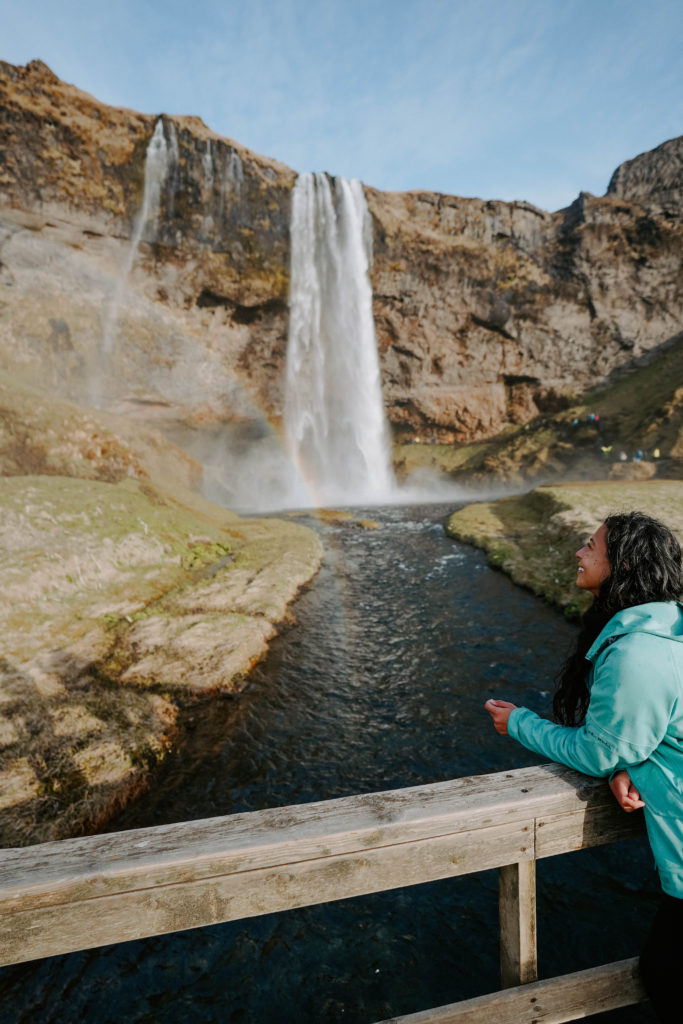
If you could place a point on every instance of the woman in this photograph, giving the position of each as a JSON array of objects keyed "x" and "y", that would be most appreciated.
[{"x": 619, "y": 705}]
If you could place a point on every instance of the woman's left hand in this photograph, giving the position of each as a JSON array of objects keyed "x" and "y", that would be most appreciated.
[
  {"x": 499, "y": 711},
  {"x": 625, "y": 793}
]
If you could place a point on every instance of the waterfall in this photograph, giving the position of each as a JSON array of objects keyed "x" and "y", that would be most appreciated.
[
  {"x": 160, "y": 160},
  {"x": 207, "y": 164},
  {"x": 338, "y": 449},
  {"x": 334, "y": 418},
  {"x": 234, "y": 173}
]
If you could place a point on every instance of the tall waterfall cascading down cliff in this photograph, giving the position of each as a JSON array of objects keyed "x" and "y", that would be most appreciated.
[
  {"x": 337, "y": 447},
  {"x": 160, "y": 158},
  {"x": 334, "y": 417}
]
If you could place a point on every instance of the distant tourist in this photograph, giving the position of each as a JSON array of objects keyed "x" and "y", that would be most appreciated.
[{"x": 619, "y": 709}]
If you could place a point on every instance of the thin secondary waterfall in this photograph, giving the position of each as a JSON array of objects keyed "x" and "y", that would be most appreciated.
[
  {"x": 334, "y": 417},
  {"x": 160, "y": 160}
]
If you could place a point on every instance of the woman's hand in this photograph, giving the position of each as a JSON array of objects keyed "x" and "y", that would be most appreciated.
[
  {"x": 626, "y": 794},
  {"x": 499, "y": 711}
]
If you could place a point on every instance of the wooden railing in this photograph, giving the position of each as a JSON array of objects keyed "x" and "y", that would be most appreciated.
[{"x": 79, "y": 893}]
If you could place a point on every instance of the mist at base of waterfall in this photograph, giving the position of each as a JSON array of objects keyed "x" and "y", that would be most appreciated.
[{"x": 247, "y": 468}]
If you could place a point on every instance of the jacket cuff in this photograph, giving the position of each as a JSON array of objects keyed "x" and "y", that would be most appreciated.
[{"x": 515, "y": 721}]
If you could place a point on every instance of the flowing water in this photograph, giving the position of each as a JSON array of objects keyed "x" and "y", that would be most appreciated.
[
  {"x": 161, "y": 159},
  {"x": 335, "y": 448},
  {"x": 380, "y": 684},
  {"x": 334, "y": 414}
]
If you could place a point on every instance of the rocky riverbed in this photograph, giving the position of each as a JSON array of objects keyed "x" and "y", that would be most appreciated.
[{"x": 123, "y": 593}]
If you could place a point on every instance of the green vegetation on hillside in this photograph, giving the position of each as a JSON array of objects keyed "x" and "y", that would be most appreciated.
[{"x": 643, "y": 409}]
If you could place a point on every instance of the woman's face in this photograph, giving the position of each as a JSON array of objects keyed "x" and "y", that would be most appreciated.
[{"x": 593, "y": 564}]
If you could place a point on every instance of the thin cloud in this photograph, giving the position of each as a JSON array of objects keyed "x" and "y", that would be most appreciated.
[{"x": 477, "y": 97}]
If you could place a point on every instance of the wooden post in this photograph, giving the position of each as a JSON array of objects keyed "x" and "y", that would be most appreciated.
[{"x": 517, "y": 906}]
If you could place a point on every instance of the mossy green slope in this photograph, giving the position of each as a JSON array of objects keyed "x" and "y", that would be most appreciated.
[
  {"x": 118, "y": 600},
  {"x": 643, "y": 409}
]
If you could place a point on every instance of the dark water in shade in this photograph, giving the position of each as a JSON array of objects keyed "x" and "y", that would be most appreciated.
[{"x": 380, "y": 684}]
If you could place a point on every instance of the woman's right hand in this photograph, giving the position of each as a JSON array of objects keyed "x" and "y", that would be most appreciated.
[
  {"x": 625, "y": 793},
  {"x": 499, "y": 711}
]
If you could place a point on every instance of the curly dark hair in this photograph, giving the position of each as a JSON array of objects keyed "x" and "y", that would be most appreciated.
[{"x": 645, "y": 565}]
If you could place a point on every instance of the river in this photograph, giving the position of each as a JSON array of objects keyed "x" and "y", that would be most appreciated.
[{"x": 379, "y": 684}]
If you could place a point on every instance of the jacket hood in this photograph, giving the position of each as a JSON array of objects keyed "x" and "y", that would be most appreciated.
[{"x": 660, "y": 618}]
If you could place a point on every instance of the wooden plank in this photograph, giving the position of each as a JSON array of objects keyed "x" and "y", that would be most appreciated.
[
  {"x": 517, "y": 908},
  {"x": 119, "y": 917},
  {"x": 590, "y": 826},
  {"x": 551, "y": 1001},
  {"x": 82, "y": 868}
]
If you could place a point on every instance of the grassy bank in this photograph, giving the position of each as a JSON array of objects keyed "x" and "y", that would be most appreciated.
[
  {"x": 122, "y": 594},
  {"x": 533, "y": 537}
]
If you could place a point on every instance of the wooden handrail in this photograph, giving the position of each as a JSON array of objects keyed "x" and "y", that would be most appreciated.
[
  {"x": 551, "y": 1001},
  {"x": 96, "y": 890}
]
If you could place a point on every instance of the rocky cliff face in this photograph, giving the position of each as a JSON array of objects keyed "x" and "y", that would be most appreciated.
[
  {"x": 486, "y": 312},
  {"x": 203, "y": 305},
  {"x": 489, "y": 312},
  {"x": 654, "y": 180}
]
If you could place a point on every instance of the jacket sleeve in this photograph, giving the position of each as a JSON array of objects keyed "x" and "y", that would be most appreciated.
[{"x": 631, "y": 704}]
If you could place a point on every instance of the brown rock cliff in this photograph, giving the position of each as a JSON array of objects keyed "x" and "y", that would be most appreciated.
[{"x": 486, "y": 311}]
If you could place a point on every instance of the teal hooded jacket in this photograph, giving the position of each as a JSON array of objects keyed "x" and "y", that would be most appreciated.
[{"x": 634, "y": 721}]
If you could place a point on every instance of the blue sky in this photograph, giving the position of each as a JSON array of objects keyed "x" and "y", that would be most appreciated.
[{"x": 508, "y": 100}]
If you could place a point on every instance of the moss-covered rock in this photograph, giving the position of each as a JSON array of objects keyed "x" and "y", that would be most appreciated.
[
  {"x": 42, "y": 435},
  {"x": 118, "y": 599}
]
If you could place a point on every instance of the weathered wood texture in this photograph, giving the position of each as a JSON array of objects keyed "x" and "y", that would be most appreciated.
[
  {"x": 552, "y": 1001},
  {"x": 79, "y": 893},
  {"x": 517, "y": 905}
]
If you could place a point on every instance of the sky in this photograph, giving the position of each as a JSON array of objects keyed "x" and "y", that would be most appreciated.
[{"x": 502, "y": 99}]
